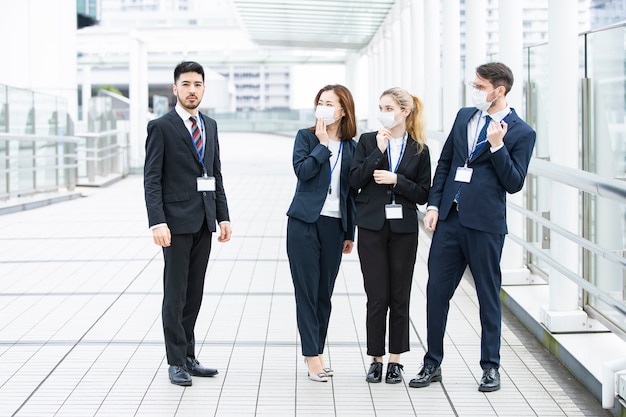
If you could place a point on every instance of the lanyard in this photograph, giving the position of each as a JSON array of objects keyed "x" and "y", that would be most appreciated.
[
  {"x": 476, "y": 134},
  {"x": 401, "y": 154},
  {"x": 332, "y": 169}
]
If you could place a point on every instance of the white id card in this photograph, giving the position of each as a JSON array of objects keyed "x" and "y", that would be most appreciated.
[
  {"x": 206, "y": 183},
  {"x": 393, "y": 211},
  {"x": 463, "y": 174}
]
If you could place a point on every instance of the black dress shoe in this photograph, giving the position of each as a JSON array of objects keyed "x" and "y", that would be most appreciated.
[
  {"x": 428, "y": 374},
  {"x": 375, "y": 373},
  {"x": 194, "y": 368},
  {"x": 394, "y": 373},
  {"x": 490, "y": 380},
  {"x": 179, "y": 375}
]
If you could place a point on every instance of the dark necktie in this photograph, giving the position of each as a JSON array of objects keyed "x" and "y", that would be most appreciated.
[
  {"x": 480, "y": 142},
  {"x": 196, "y": 136}
]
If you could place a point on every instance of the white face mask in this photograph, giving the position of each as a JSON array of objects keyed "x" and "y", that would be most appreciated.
[
  {"x": 387, "y": 119},
  {"x": 480, "y": 99},
  {"x": 327, "y": 113}
]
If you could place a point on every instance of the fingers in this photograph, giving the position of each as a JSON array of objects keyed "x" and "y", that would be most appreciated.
[{"x": 161, "y": 236}]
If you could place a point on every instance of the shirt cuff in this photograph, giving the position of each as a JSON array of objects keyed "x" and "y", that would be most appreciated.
[
  {"x": 428, "y": 208},
  {"x": 497, "y": 148},
  {"x": 224, "y": 222},
  {"x": 157, "y": 225}
]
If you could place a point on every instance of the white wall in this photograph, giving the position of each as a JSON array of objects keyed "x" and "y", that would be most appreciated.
[
  {"x": 39, "y": 47},
  {"x": 308, "y": 79}
]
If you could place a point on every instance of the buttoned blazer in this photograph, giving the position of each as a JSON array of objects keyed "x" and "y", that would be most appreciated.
[
  {"x": 482, "y": 201},
  {"x": 312, "y": 168},
  {"x": 411, "y": 189},
  {"x": 171, "y": 169}
]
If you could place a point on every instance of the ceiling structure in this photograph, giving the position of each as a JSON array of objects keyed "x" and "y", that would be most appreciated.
[{"x": 239, "y": 32}]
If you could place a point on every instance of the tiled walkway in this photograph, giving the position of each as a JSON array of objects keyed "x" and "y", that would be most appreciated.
[{"x": 80, "y": 327}]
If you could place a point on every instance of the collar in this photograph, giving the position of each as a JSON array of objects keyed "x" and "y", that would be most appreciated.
[
  {"x": 182, "y": 113},
  {"x": 498, "y": 116}
]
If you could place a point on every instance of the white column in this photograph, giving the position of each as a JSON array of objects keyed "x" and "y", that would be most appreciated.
[
  {"x": 451, "y": 62},
  {"x": 138, "y": 95},
  {"x": 398, "y": 59},
  {"x": 407, "y": 49},
  {"x": 417, "y": 33},
  {"x": 432, "y": 66},
  {"x": 562, "y": 314},
  {"x": 510, "y": 52},
  {"x": 387, "y": 57},
  {"x": 475, "y": 41}
]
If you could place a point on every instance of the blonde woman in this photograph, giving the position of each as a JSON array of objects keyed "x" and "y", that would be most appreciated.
[{"x": 391, "y": 170}]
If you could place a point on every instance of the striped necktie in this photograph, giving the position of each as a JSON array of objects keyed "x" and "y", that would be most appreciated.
[{"x": 196, "y": 136}]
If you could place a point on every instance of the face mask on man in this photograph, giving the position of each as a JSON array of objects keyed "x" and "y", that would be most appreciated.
[
  {"x": 327, "y": 113},
  {"x": 480, "y": 99},
  {"x": 387, "y": 119}
]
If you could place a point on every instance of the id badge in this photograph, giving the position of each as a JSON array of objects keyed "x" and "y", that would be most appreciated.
[
  {"x": 463, "y": 174},
  {"x": 206, "y": 183},
  {"x": 393, "y": 211}
]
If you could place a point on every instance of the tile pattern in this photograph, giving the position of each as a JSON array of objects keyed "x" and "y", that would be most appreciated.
[{"x": 80, "y": 328}]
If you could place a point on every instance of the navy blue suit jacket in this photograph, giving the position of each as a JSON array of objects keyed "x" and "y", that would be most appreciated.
[
  {"x": 312, "y": 167},
  {"x": 171, "y": 168},
  {"x": 482, "y": 202},
  {"x": 411, "y": 189}
]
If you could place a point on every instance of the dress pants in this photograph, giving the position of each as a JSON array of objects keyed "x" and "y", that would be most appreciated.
[
  {"x": 186, "y": 261},
  {"x": 453, "y": 247},
  {"x": 387, "y": 263},
  {"x": 314, "y": 251}
]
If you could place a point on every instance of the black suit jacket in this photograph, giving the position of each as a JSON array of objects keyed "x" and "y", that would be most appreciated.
[
  {"x": 412, "y": 187},
  {"x": 482, "y": 202},
  {"x": 310, "y": 163},
  {"x": 171, "y": 169}
]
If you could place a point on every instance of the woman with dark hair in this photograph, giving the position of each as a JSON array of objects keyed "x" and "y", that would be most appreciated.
[
  {"x": 321, "y": 225},
  {"x": 391, "y": 170}
]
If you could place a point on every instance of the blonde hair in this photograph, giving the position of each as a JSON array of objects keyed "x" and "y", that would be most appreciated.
[{"x": 415, "y": 124}]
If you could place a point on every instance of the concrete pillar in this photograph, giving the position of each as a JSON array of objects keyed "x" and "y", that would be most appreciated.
[
  {"x": 408, "y": 48},
  {"x": 138, "y": 95},
  {"x": 398, "y": 54},
  {"x": 432, "y": 66},
  {"x": 510, "y": 52},
  {"x": 475, "y": 41},
  {"x": 562, "y": 314},
  {"x": 417, "y": 33},
  {"x": 451, "y": 63}
]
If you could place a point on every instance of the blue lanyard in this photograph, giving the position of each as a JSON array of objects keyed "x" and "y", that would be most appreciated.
[
  {"x": 476, "y": 143},
  {"x": 401, "y": 154},
  {"x": 332, "y": 169}
]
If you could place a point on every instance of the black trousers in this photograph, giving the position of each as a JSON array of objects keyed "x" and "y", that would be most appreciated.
[
  {"x": 186, "y": 262},
  {"x": 387, "y": 263},
  {"x": 314, "y": 251}
]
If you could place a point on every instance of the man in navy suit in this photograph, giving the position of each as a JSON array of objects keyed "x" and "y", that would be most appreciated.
[
  {"x": 185, "y": 198},
  {"x": 485, "y": 156}
]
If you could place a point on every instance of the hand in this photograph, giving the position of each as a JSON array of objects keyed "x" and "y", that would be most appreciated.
[
  {"x": 430, "y": 220},
  {"x": 347, "y": 246},
  {"x": 320, "y": 132},
  {"x": 382, "y": 176},
  {"x": 496, "y": 132},
  {"x": 382, "y": 138},
  {"x": 225, "y": 232},
  {"x": 161, "y": 236}
]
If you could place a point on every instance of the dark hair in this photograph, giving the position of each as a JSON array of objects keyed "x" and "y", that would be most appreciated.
[
  {"x": 187, "y": 66},
  {"x": 497, "y": 74},
  {"x": 347, "y": 124}
]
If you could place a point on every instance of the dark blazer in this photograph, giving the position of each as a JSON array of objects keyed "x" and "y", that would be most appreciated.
[
  {"x": 482, "y": 202},
  {"x": 411, "y": 189},
  {"x": 310, "y": 163},
  {"x": 170, "y": 172}
]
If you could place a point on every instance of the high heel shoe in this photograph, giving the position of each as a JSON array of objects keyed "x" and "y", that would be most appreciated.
[{"x": 318, "y": 377}]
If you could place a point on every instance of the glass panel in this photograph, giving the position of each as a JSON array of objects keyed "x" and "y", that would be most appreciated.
[
  {"x": 538, "y": 97},
  {"x": 21, "y": 111},
  {"x": 46, "y": 117},
  {"x": 3, "y": 109}
]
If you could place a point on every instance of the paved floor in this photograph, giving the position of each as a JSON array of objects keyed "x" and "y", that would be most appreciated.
[{"x": 80, "y": 328}]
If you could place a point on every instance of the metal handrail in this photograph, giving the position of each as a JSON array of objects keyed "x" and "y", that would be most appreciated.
[{"x": 38, "y": 138}]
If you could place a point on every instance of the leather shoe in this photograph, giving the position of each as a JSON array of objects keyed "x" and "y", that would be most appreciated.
[
  {"x": 394, "y": 373},
  {"x": 179, "y": 375},
  {"x": 375, "y": 373},
  {"x": 194, "y": 368},
  {"x": 490, "y": 380},
  {"x": 428, "y": 374}
]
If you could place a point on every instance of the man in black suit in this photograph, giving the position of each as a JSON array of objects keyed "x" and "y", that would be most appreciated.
[
  {"x": 485, "y": 156},
  {"x": 184, "y": 197}
]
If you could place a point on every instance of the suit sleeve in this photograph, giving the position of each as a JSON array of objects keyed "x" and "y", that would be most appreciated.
[
  {"x": 307, "y": 162},
  {"x": 153, "y": 173},
  {"x": 221, "y": 209},
  {"x": 366, "y": 159},
  {"x": 511, "y": 165}
]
